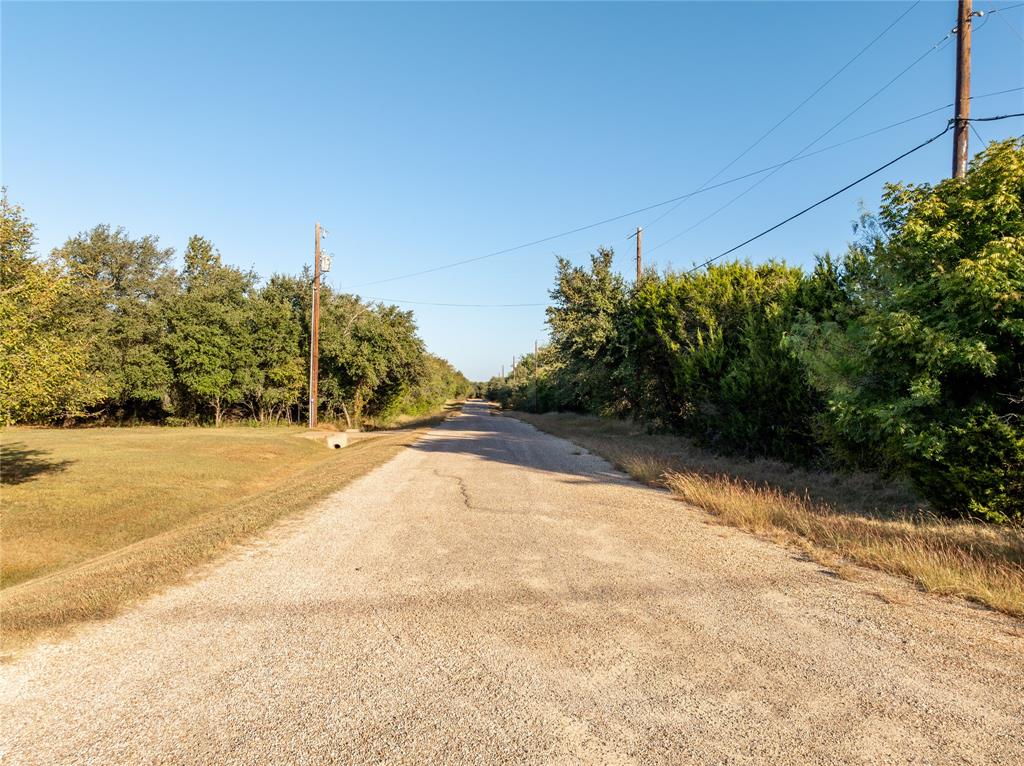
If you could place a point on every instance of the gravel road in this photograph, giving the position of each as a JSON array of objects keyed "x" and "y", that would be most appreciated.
[{"x": 496, "y": 595}]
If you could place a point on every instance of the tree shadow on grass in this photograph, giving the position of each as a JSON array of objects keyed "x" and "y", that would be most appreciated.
[{"x": 19, "y": 463}]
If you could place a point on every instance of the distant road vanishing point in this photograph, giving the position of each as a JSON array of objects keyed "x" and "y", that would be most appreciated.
[{"x": 496, "y": 595}]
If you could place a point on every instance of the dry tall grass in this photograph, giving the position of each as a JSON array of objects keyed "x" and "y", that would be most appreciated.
[
  {"x": 973, "y": 561},
  {"x": 839, "y": 519}
]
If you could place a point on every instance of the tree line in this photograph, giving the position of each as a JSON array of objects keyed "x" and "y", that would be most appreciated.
[
  {"x": 904, "y": 356},
  {"x": 106, "y": 329}
]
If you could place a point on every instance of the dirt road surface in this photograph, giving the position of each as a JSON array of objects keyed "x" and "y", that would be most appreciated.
[{"x": 496, "y": 595}]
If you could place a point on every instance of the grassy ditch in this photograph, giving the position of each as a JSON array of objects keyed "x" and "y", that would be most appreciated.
[
  {"x": 839, "y": 519},
  {"x": 95, "y": 519}
]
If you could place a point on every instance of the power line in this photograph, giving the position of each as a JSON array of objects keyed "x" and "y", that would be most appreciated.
[
  {"x": 849, "y": 186},
  {"x": 1011, "y": 26},
  {"x": 838, "y": 145},
  {"x": 795, "y": 109},
  {"x": 987, "y": 14},
  {"x": 822, "y": 201},
  {"x": 454, "y": 305},
  {"x": 1005, "y": 8},
  {"x": 883, "y": 129},
  {"x": 834, "y": 125},
  {"x": 550, "y": 238},
  {"x": 651, "y": 207},
  {"x": 524, "y": 245},
  {"x": 870, "y": 133},
  {"x": 994, "y": 119},
  {"x": 998, "y": 93},
  {"x": 757, "y": 236}
]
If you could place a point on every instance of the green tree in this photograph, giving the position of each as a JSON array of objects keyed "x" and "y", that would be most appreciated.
[
  {"x": 370, "y": 355},
  {"x": 588, "y": 307},
  {"x": 439, "y": 383},
  {"x": 43, "y": 375},
  {"x": 927, "y": 376},
  {"x": 209, "y": 339},
  {"x": 202, "y": 263},
  {"x": 275, "y": 376},
  {"x": 117, "y": 308},
  {"x": 710, "y": 352}
]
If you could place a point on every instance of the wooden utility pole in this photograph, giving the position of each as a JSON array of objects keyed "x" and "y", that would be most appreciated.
[
  {"x": 961, "y": 122},
  {"x": 535, "y": 365},
  {"x": 314, "y": 334},
  {"x": 639, "y": 253}
]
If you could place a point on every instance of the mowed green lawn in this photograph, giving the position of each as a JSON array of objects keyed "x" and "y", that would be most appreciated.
[{"x": 70, "y": 495}]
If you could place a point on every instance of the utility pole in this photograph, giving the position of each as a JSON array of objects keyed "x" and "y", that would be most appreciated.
[
  {"x": 314, "y": 334},
  {"x": 536, "y": 408},
  {"x": 639, "y": 252},
  {"x": 961, "y": 122}
]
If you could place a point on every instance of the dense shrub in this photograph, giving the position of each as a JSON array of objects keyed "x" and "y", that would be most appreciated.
[
  {"x": 587, "y": 309},
  {"x": 906, "y": 357},
  {"x": 702, "y": 354},
  {"x": 712, "y": 343},
  {"x": 926, "y": 377}
]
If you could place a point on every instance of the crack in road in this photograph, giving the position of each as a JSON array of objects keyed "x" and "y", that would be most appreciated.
[{"x": 463, "y": 489}]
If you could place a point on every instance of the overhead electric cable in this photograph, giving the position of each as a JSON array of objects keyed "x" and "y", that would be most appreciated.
[
  {"x": 994, "y": 119},
  {"x": 834, "y": 125},
  {"x": 830, "y": 147},
  {"x": 1012, "y": 27},
  {"x": 457, "y": 305},
  {"x": 793, "y": 111},
  {"x": 656, "y": 205},
  {"x": 849, "y": 186},
  {"x": 822, "y": 201},
  {"x": 876, "y": 131},
  {"x": 522, "y": 246},
  {"x": 745, "y": 242}
]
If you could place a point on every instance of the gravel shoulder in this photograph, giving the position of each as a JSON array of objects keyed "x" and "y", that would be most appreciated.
[{"x": 496, "y": 595}]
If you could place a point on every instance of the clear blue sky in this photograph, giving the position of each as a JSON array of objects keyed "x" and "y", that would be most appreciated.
[{"x": 421, "y": 134}]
